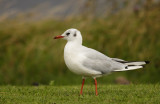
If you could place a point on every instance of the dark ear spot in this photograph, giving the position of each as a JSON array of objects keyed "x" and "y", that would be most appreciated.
[{"x": 75, "y": 35}]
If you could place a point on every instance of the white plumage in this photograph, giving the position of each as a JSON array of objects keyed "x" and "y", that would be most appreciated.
[{"x": 89, "y": 62}]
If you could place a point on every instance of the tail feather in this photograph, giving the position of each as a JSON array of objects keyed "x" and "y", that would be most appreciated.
[
  {"x": 131, "y": 65},
  {"x": 130, "y": 68},
  {"x": 135, "y": 63}
]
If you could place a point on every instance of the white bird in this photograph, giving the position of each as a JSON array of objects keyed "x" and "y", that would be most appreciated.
[{"x": 89, "y": 62}]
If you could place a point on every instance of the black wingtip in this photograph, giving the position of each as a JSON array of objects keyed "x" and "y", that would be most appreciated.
[{"x": 147, "y": 62}]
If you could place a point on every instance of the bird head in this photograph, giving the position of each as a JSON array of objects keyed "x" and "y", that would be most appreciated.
[{"x": 71, "y": 35}]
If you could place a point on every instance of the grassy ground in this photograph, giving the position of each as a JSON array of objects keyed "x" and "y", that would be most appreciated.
[{"x": 113, "y": 94}]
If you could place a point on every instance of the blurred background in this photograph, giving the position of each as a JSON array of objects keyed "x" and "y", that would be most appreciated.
[{"x": 126, "y": 29}]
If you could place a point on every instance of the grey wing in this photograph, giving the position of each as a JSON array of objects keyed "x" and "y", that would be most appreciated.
[{"x": 97, "y": 61}]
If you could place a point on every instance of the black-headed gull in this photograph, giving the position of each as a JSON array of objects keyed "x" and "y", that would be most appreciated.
[{"x": 89, "y": 62}]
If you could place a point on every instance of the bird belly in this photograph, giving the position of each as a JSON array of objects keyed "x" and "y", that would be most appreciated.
[{"x": 73, "y": 63}]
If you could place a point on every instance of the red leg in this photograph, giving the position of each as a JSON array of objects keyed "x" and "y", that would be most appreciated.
[
  {"x": 96, "y": 86},
  {"x": 82, "y": 86}
]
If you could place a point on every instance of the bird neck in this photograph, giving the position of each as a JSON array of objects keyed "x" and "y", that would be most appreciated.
[
  {"x": 74, "y": 43},
  {"x": 71, "y": 46}
]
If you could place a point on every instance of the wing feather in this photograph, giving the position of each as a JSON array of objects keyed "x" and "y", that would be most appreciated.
[{"x": 97, "y": 61}]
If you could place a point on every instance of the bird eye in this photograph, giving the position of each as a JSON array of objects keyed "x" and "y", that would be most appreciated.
[
  {"x": 75, "y": 35},
  {"x": 67, "y": 34}
]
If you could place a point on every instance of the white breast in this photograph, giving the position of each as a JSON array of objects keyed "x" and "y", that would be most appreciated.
[{"x": 73, "y": 58}]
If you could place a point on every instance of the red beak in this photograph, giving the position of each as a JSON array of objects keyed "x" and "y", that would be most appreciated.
[{"x": 59, "y": 36}]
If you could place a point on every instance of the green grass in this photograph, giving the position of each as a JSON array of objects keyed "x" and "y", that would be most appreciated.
[{"x": 108, "y": 94}]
